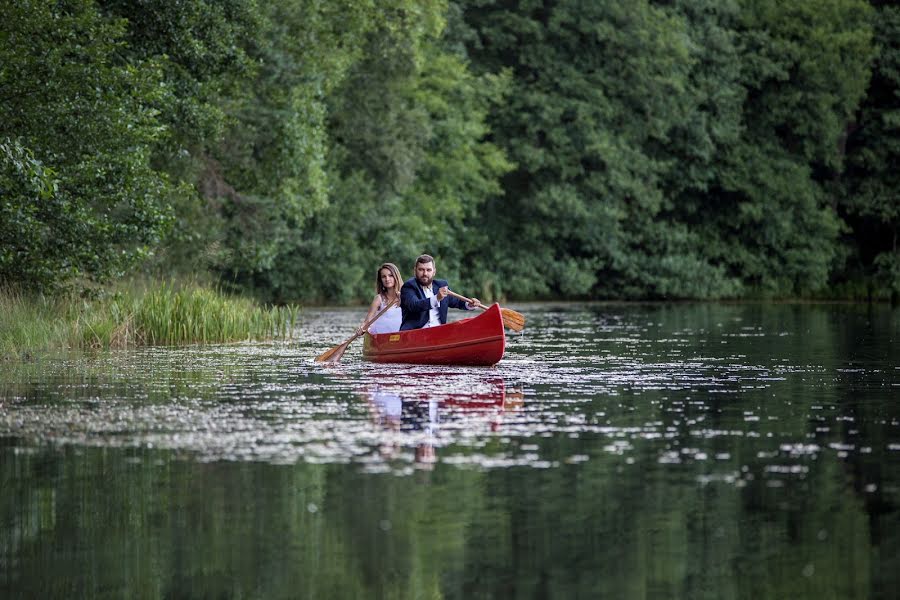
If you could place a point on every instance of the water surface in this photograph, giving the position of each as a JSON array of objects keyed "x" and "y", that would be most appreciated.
[{"x": 617, "y": 451}]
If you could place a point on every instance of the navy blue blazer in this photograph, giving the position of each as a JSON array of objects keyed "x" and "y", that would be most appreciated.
[{"x": 415, "y": 306}]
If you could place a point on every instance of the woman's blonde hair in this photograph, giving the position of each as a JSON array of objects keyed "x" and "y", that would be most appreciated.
[{"x": 379, "y": 288}]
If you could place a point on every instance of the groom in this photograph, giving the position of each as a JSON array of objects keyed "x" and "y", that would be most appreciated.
[{"x": 424, "y": 300}]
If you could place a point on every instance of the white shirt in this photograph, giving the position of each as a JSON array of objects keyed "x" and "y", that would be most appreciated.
[
  {"x": 389, "y": 322},
  {"x": 434, "y": 318}
]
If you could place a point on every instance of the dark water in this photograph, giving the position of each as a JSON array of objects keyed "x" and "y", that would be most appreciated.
[{"x": 618, "y": 451}]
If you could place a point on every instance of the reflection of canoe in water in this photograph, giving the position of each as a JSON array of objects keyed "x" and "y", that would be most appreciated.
[
  {"x": 464, "y": 389},
  {"x": 427, "y": 400},
  {"x": 476, "y": 341}
]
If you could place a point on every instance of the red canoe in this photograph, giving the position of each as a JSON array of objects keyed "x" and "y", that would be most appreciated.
[{"x": 476, "y": 341}]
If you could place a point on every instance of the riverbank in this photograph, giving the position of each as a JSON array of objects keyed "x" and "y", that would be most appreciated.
[{"x": 158, "y": 313}]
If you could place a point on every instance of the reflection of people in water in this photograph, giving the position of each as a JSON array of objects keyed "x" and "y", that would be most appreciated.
[
  {"x": 422, "y": 415},
  {"x": 405, "y": 409},
  {"x": 387, "y": 408},
  {"x": 409, "y": 416}
]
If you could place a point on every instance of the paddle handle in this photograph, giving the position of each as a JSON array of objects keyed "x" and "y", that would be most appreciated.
[
  {"x": 467, "y": 300},
  {"x": 334, "y": 354},
  {"x": 511, "y": 318}
]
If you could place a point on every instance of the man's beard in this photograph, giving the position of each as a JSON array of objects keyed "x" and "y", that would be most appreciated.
[{"x": 426, "y": 282}]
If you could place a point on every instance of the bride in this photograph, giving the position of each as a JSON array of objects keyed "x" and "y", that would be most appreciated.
[{"x": 387, "y": 288}]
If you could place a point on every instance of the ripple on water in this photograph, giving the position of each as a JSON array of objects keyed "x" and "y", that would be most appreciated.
[{"x": 576, "y": 388}]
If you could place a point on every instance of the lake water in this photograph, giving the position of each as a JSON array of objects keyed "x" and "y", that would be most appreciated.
[{"x": 618, "y": 451}]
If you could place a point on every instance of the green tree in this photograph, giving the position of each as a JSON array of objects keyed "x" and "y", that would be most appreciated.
[
  {"x": 407, "y": 163},
  {"x": 669, "y": 149},
  {"x": 598, "y": 89},
  {"x": 805, "y": 69},
  {"x": 206, "y": 54},
  {"x": 869, "y": 192},
  {"x": 80, "y": 199},
  {"x": 269, "y": 174}
]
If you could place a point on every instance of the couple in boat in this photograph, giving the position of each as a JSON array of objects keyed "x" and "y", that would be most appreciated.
[{"x": 424, "y": 300}]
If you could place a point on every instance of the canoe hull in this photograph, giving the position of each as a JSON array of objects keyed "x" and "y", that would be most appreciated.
[{"x": 477, "y": 341}]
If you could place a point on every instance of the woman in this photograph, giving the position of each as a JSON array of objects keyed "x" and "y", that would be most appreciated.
[{"x": 387, "y": 286}]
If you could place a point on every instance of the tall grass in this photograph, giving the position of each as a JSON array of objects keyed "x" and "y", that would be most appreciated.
[
  {"x": 163, "y": 314},
  {"x": 28, "y": 324},
  {"x": 169, "y": 316}
]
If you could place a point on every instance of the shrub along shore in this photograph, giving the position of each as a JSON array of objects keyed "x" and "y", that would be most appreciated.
[{"x": 161, "y": 314}]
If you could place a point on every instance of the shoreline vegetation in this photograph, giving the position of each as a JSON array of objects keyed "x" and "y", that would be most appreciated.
[
  {"x": 156, "y": 314},
  {"x": 171, "y": 314}
]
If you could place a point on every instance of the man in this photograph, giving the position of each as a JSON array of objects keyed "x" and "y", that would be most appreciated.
[{"x": 424, "y": 300}]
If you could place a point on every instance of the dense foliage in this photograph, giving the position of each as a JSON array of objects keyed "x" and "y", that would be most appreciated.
[
  {"x": 672, "y": 150},
  {"x": 77, "y": 127},
  {"x": 693, "y": 148},
  {"x": 869, "y": 191}
]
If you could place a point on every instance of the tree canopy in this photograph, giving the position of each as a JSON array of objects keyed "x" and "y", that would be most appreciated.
[{"x": 567, "y": 149}]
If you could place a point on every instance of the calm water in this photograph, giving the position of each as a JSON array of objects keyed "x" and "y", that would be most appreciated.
[{"x": 618, "y": 451}]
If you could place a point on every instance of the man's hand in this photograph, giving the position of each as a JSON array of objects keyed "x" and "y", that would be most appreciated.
[
  {"x": 473, "y": 304},
  {"x": 442, "y": 293}
]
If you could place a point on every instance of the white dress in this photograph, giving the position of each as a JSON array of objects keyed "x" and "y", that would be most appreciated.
[{"x": 389, "y": 322}]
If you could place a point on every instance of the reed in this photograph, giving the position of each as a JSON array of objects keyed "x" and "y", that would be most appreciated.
[
  {"x": 162, "y": 314},
  {"x": 29, "y": 323},
  {"x": 167, "y": 315}
]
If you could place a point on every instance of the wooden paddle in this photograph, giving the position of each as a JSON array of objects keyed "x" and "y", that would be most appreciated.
[
  {"x": 511, "y": 319},
  {"x": 334, "y": 354}
]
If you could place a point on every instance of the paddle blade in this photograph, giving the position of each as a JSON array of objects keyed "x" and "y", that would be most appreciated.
[
  {"x": 339, "y": 353},
  {"x": 512, "y": 319},
  {"x": 333, "y": 354},
  {"x": 327, "y": 354}
]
